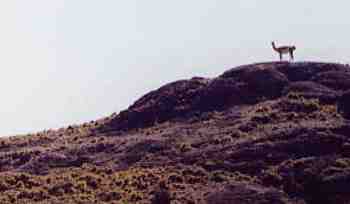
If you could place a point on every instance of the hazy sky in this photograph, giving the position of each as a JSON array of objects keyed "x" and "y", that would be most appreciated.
[{"x": 70, "y": 61}]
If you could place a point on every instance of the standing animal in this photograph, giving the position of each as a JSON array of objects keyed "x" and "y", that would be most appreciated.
[{"x": 284, "y": 50}]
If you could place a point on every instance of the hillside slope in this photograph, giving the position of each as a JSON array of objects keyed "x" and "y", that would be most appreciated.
[{"x": 273, "y": 132}]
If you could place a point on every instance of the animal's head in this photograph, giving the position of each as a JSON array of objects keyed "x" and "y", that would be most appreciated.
[{"x": 294, "y": 48}]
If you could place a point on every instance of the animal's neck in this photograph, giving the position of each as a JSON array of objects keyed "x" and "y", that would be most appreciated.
[{"x": 274, "y": 46}]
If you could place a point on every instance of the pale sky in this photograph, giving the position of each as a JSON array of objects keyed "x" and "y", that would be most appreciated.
[{"x": 71, "y": 61}]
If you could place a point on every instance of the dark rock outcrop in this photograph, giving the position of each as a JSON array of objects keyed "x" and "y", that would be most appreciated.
[
  {"x": 344, "y": 104},
  {"x": 309, "y": 89},
  {"x": 247, "y": 84},
  {"x": 305, "y": 71},
  {"x": 258, "y": 81},
  {"x": 248, "y": 194},
  {"x": 47, "y": 160},
  {"x": 219, "y": 94},
  {"x": 316, "y": 179},
  {"x": 163, "y": 104},
  {"x": 337, "y": 80}
]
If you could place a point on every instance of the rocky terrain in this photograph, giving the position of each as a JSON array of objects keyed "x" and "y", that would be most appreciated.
[{"x": 274, "y": 132}]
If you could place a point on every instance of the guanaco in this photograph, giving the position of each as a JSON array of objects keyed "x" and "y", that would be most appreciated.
[{"x": 284, "y": 50}]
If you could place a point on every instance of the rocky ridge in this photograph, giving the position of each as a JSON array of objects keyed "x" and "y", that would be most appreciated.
[{"x": 274, "y": 132}]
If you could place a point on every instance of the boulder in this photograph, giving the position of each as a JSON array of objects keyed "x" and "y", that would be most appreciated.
[
  {"x": 258, "y": 81},
  {"x": 219, "y": 94}
]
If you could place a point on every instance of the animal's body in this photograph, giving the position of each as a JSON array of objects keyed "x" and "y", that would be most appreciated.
[{"x": 284, "y": 50}]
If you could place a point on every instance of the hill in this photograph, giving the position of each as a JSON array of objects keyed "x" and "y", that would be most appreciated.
[{"x": 274, "y": 132}]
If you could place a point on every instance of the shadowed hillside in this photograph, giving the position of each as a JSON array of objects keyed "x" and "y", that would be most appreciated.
[{"x": 275, "y": 132}]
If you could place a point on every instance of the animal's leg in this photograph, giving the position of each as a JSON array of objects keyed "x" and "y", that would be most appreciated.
[
  {"x": 280, "y": 56},
  {"x": 292, "y": 55}
]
